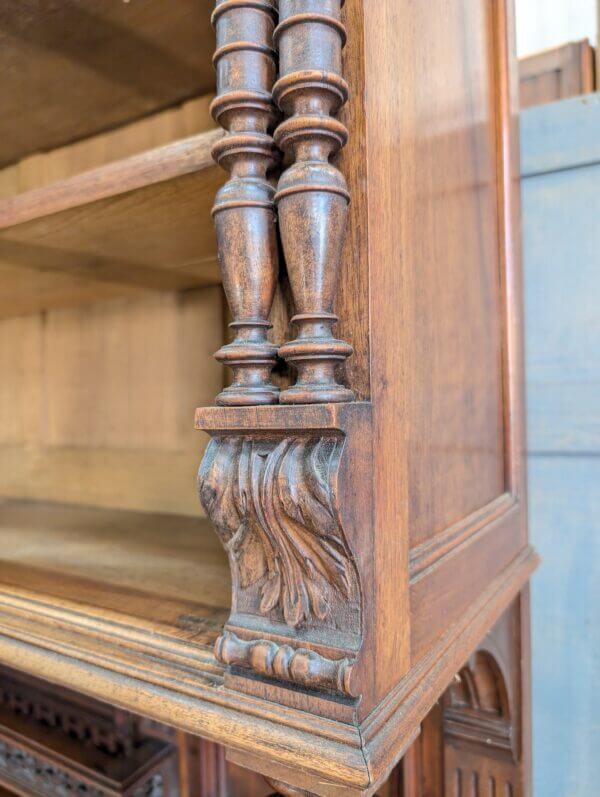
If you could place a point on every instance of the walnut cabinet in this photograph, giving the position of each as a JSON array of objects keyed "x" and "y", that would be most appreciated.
[{"x": 334, "y": 211}]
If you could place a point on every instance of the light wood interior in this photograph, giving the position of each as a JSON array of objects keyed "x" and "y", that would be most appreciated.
[
  {"x": 110, "y": 309},
  {"x": 72, "y": 69},
  {"x": 163, "y": 568},
  {"x": 122, "y": 214},
  {"x": 97, "y": 402}
]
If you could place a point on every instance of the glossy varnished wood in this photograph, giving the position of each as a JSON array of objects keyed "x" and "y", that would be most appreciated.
[
  {"x": 449, "y": 341},
  {"x": 372, "y": 543}
]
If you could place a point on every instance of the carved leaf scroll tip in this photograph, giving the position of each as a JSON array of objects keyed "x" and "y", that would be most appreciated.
[{"x": 272, "y": 503}]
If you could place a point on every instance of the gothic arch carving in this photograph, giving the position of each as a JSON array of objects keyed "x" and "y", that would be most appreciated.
[{"x": 477, "y": 705}]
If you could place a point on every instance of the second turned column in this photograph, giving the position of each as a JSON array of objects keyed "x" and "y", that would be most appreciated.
[
  {"x": 244, "y": 210},
  {"x": 312, "y": 197}
]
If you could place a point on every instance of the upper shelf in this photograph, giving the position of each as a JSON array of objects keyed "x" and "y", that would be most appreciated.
[
  {"x": 138, "y": 224},
  {"x": 71, "y": 69}
]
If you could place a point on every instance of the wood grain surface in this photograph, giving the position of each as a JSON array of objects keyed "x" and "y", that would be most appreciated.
[
  {"x": 72, "y": 69},
  {"x": 143, "y": 223},
  {"x": 96, "y": 403},
  {"x": 557, "y": 74}
]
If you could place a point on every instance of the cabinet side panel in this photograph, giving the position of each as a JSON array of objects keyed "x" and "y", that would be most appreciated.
[
  {"x": 443, "y": 362},
  {"x": 452, "y": 303}
]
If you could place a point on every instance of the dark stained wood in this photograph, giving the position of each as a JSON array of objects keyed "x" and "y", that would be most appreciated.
[
  {"x": 244, "y": 209},
  {"x": 289, "y": 546},
  {"x": 372, "y": 544},
  {"x": 208, "y": 773},
  {"x": 312, "y": 195},
  {"x": 476, "y": 740},
  {"x": 52, "y": 743},
  {"x": 141, "y": 223},
  {"x": 73, "y": 68},
  {"x": 556, "y": 74}
]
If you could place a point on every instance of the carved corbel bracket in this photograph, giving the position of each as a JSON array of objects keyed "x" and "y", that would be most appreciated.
[{"x": 280, "y": 484}]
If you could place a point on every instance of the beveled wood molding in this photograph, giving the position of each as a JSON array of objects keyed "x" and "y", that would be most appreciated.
[
  {"x": 446, "y": 543},
  {"x": 312, "y": 195},
  {"x": 183, "y": 685},
  {"x": 274, "y": 482},
  {"x": 244, "y": 210}
]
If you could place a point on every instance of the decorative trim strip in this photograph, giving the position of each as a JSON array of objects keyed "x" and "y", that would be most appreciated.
[
  {"x": 433, "y": 551},
  {"x": 283, "y": 662}
]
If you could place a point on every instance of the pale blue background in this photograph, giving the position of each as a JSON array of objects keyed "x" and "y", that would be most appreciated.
[{"x": 561, "y": 231}]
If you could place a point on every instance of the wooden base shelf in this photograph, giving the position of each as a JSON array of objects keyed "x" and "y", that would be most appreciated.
[
  {"x": 167, "y": 574},
  {"x": 136, "y": 225},
  {"x": 126, "y": 607}
]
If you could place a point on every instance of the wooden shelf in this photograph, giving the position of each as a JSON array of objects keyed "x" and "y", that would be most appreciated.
[
  {"x": 126, "y": 607},
  {"x": 136, "y": 225},
  {"x": 163, "y": 573},
  {"x": 72, "y": 69}
]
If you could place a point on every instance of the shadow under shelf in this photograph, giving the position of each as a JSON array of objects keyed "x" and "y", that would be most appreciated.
[{"x": 132, "y": 226}]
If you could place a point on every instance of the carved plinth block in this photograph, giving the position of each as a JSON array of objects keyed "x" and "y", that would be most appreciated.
[
  {"x": 275, "y": 482},
  {"x": 244, "y": 210}
]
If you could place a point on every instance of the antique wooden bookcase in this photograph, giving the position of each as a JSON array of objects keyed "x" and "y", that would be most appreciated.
[{"x": 364, "y": 469}]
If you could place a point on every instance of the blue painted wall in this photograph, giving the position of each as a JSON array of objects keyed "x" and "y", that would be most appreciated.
[{"x": 561, "y": 236}]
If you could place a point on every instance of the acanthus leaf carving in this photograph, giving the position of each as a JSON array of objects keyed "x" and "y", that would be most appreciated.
[{"x": 273, "y": 505}]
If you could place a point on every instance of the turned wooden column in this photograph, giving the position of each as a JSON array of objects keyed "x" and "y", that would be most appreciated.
[
  {"x": 312, "y": 197},
  {"x": 244, "y": 211}
]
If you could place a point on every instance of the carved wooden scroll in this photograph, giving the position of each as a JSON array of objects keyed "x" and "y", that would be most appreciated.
[
  {"x": 312, "y": 197},
  {"x": 285, "y": 663},
  {"x": 273, "y": 500},
  {"x": 244, "y": 208},
  {"x": 272, "y": 504},
  {"x": 275, "y": 482}
]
